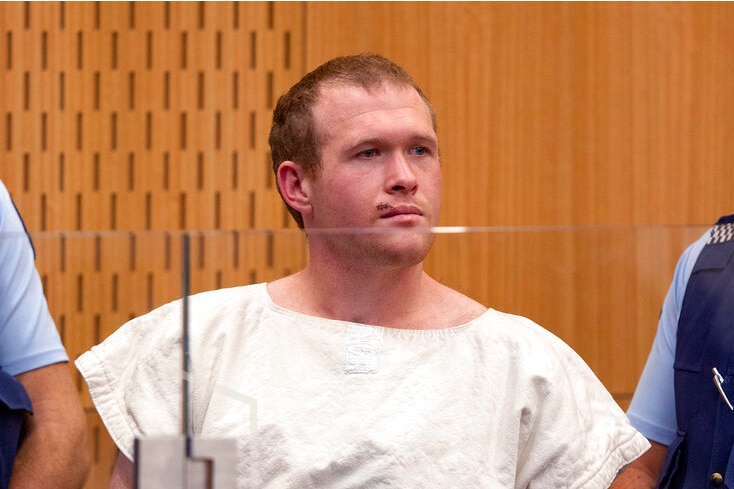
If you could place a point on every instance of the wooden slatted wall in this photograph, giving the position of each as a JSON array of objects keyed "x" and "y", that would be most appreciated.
[
  {"x": 124, "y": 124},
  {"x": 595, "y": 135}
]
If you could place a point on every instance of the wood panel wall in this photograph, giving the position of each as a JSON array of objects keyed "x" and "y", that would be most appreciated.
[
  {"x": 584, "y": 144},
  {"x": 562, "y": 113},
  {"x": 124, "y": 124}
]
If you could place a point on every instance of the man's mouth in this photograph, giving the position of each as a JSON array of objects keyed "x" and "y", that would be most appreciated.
[{"x": 387, "y": 210}]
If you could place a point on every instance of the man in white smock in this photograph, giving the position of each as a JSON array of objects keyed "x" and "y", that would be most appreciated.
[{"x": 365, "y": 371}]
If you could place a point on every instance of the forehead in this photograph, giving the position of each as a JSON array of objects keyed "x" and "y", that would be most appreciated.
[{"x": 341, "y": 106}]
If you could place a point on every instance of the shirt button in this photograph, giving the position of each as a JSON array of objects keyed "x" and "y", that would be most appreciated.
[{"x": 716, "y": 479}]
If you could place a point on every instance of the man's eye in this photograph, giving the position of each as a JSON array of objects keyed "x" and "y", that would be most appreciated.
[
  {"x": 368, "y": 153},
  {"x": 419, "y": 150}
]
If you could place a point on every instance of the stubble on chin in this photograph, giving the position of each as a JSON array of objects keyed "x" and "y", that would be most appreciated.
[{"x": 397, "y": 250}]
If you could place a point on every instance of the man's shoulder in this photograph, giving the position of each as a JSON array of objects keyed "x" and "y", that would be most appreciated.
[
  {"x": 523, "y": 334},
  {"x": 202, "y": 309}
]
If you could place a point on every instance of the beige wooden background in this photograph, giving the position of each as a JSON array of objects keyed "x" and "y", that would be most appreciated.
[{"x": 584, "y": 144}]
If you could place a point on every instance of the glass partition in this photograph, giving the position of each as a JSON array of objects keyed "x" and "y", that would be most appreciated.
[{"x": 599, "y": 288}]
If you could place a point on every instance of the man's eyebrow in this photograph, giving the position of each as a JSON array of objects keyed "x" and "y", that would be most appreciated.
[
  {"x": 427, "y": 138},
  {"x": 367, "y": 141},
  {"x": 420, "y": 138}
]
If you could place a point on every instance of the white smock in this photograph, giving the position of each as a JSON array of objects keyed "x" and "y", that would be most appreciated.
[{"x": 314, "y": 403}]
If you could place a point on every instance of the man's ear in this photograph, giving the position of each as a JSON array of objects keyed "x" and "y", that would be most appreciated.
[{"x": 293, "y": 184}]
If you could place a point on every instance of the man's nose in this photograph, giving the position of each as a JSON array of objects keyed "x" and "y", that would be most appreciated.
[{"x": 401, "y": 175}]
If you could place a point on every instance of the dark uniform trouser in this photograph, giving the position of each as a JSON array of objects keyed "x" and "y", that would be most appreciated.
[{"x": 14, "y": 403}]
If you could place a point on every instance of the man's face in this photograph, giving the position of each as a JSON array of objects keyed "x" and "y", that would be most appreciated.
[{"x": 379, "y": 170}]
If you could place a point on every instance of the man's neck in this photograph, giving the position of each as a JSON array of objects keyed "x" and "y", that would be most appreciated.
[
  {"x": 387, "y": 289},
  {"x": 372, "y": 296},
  {"x": 384, "y": 297}
]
